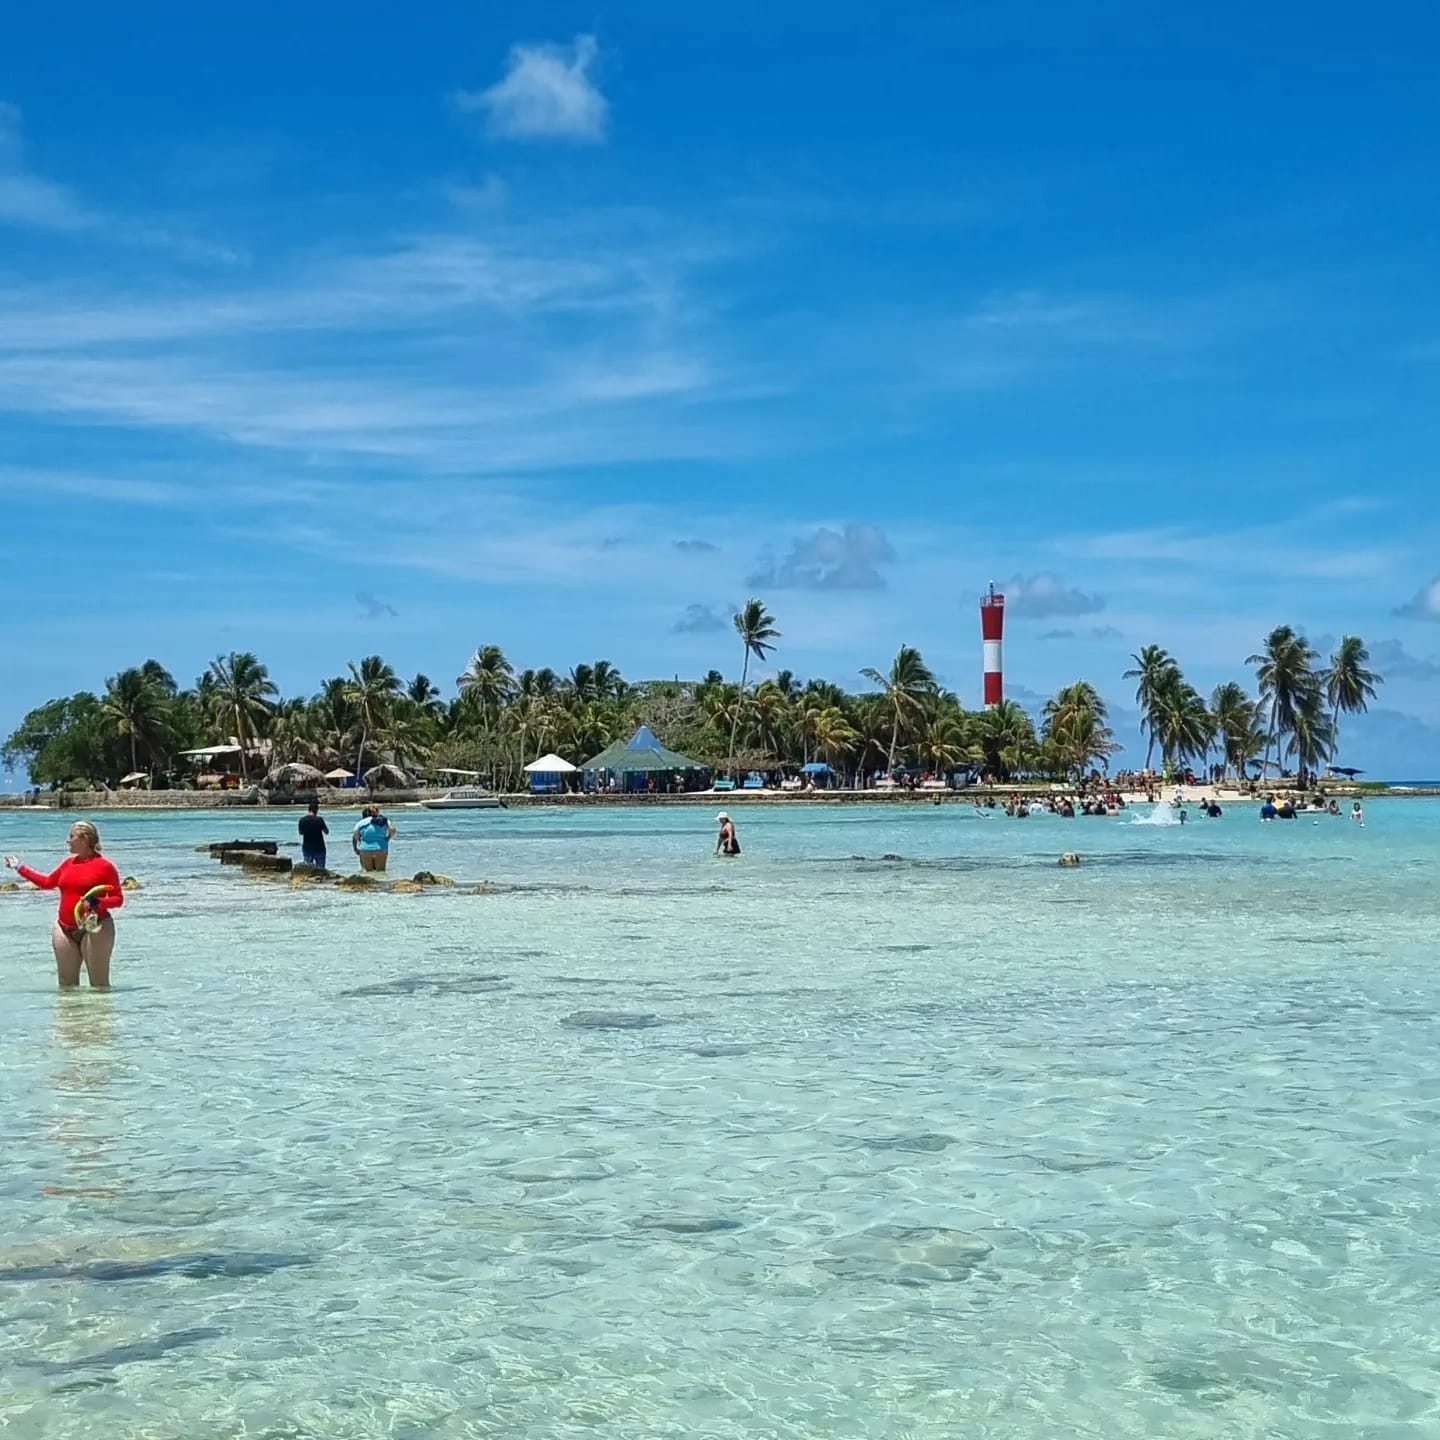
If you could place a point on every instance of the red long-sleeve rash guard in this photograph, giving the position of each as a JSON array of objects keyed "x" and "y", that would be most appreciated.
[{"x": 74, "y": 878}]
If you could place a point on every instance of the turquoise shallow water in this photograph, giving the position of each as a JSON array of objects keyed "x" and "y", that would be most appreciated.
[{"x": 649, "y": 1144}]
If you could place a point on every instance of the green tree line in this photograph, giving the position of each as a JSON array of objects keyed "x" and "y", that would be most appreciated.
[{"x": 499, "y": 717}]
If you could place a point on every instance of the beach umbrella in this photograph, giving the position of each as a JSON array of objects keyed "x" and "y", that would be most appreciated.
[
  {"x": 379, "y": 774},
  {"x": 133, "y": 777},
  {"x": 295, "y": 771},
  {"x": 339, "y": 773},
  {"x": 1334, "y": 770}
]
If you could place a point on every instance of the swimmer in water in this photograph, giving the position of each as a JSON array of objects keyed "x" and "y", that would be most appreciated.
[
  {"x": 1357, "y": 813},
  {"x": 84, "y": 934},
  {"x": 726, "y": 843}
]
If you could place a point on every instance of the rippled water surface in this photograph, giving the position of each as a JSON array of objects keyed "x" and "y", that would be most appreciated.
[{"x": 643, "y": 1143}]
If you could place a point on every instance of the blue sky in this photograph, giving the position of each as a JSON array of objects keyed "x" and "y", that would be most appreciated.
[{"x": 325, "y": 333}]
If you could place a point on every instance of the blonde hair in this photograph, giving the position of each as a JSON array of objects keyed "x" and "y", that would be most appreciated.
[{"x": 90, "y": 831}]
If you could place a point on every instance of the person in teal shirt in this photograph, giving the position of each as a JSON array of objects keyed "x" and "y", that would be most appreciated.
[{"x": 372, "y": 837}]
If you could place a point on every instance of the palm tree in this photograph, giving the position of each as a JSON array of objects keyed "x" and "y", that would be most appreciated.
[
  {"x": 488, "y": 682},
  {"x": 1349, "y": 685},
  {"x": 373, "y": 689},
  {"x": 1183, "y": 725},
  {"x": 944, "y": 744},
  {"x": 769, "y": 718},
  {"x": 424, "y": 693},
  {"x": 160, "y": 678},
  {"x": 755, "y": 626},
  {"x": 1233, "y": 714},
  {"x": 1154, "y": 668},
  {"x": 1286, "y": 674},
  {"x": 905, "y": 689},
  {"x": 835, "y": 736},
  {"x": 607, "y": 682},
  {"x": 1312, "y": 736},
  {"x": 580, "y": 683},
  {"x": 1006, "y": 737},
  {"x": 242, "y": 691},
  {"x": 136, "y": 707},
  {"x": 1075, "y": 728},
  {"x": 786, "y": 683}
]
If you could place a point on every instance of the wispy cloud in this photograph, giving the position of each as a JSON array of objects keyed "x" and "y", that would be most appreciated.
[
  {"x": 696, "y": 547},
  {"x": 1040, "y": 596},
  {"x": 19, "y": 486},
  {"x": 1095, "y": 632},
  {"x": 1424, "y": 604},
  {"x": 373, "y": 607},
  {"x": 547, "y": 94},
  {"x": 700, "y": 620},
  {"x": 32, "y": 200},
  {"x": 530, "y": 349},
  {"x": 27, "y": 198},
  {"x": 848, "y": 559}
]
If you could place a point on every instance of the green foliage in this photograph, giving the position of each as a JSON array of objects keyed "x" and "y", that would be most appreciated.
[
  {"x": 65, "y": 740},
  {"x": 500, "y": 719}
]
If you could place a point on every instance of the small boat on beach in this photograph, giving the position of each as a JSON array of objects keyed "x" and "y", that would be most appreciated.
[{"x": 467, "y": 797}]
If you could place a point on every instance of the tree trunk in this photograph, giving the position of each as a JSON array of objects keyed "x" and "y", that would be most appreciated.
[
  {"x": 894, "y": 740},
  {"x": 360, "y": 758},
  {"x": 735, "y": 719}
]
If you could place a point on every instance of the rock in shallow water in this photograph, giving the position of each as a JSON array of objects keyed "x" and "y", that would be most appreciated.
[
  {"x": 557, "y": 1169},
  {"x": 905, "y": 1255},
  {"x": 688, "y": 1224},
  {"x": 117, "y": 1355},
  {"x": 610, "y": 1020},
  {"x": 195, "y": 1265},
  {"x": 430, "y": 984}
]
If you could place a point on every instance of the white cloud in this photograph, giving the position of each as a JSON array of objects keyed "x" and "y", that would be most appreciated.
[
  {"x": 1038, "y": 597},
  {"x": 828, "y": 560},
  {"x": 1424, "y": 604},
  {"x": 547, "y": 94}
]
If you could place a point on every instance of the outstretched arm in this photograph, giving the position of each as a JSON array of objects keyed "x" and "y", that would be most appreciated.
[{"x": 42, "y": 882}]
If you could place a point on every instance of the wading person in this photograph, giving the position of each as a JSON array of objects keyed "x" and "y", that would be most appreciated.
[
  {"x": 313, "y": 831},
  {"x": 372, "y": 838},
  {"x": 89, "y": 887},
  {"x": 726, "y": 843}
]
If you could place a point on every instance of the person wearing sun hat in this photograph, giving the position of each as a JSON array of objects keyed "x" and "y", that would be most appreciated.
[{"x": 726, "y": 843}]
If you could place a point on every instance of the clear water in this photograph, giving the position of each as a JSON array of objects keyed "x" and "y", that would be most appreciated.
[{"x": 649, "y": 1144}]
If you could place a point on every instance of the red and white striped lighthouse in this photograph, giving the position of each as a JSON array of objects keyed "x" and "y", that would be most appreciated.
[{"x": 992, "y": 632}]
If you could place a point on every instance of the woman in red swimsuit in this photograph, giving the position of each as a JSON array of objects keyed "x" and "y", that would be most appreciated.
[{"x": 85, "y": 933}]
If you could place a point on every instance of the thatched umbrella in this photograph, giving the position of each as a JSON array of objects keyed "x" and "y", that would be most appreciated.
[
  {"x": 378, "y": 775},
  {"x": 295, "y": 771}
]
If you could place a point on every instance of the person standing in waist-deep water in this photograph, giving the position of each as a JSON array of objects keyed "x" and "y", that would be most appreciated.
[
  {"x": 89, "y": 887},
  {"x": 372, "y": 839},
  {"x": 313, "y": 831},
  {"x": 726, "y": 843}
]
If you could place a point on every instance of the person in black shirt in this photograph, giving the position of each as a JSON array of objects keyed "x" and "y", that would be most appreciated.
[{"x": 313, "y": 831}]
